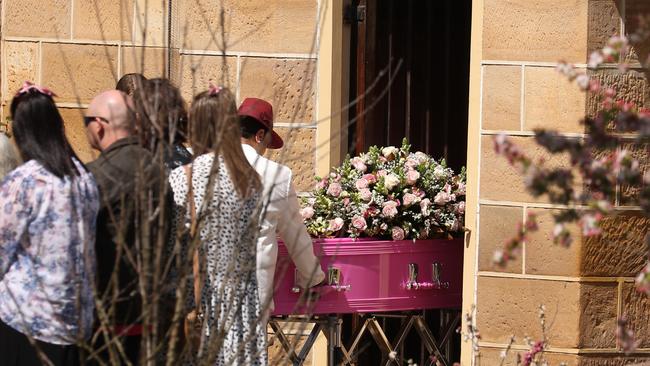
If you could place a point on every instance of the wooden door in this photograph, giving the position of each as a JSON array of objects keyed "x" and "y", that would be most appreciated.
[{"x": 410, "y": 74}]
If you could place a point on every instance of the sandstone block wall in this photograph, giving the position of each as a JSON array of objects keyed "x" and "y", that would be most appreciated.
[
  {"x": 257, "y": 48},
  {"x": 587, "y": 286}
]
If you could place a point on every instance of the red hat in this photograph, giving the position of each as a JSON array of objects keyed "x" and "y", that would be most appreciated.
[{"x": 262, "y": 111}]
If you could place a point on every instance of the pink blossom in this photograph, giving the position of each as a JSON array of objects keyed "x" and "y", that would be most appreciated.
[
  {"x": 583, "y": 81},
  {"x": 625, "y": 336},
  {"x": 595, "y": 59},
  {"x": 561, "y": 235},
  {"x": 530, "y": 355},
  {"x": 359, "y": 164},
  {"x": 365, "y": 194},
  {"x": 424, "y": 207},
  {"x": 335, "y": 224},
  {"x": 346, "y": 202},
  {"x": 321, "y": 184},
  {"x": 412, "y": 176},
  {"x": 381, "y": 173},
  {"x": 397, "y": 233},
  {"x": 307, "y": 212},
  {"x": 334, "y": 189},
  {"x": 410, "y": 199},
  {"x": 361, "y": 184},
  {"x": 643, "y": 280},
  {"x": 590, "y": 224},
  {"x": 358, "y": 222},
  {"x": 390, "y": 209},
  {"x": 371, "y": 178}
]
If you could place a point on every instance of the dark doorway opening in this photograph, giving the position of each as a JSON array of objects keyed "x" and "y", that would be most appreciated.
[
  {"x": 410, "y": 59},
  {"x": 409, "y": 76}
]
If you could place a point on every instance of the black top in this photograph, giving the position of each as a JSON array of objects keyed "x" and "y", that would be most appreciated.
[
  {"x": 177, "y": 156},
  {"x": 120, "y": 171}
]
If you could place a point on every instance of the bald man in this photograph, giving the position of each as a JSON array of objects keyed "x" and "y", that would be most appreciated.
[{"x": 121, "y": 166}]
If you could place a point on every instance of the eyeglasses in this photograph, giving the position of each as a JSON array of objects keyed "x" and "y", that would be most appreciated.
[{"x": 89, "y": 119}]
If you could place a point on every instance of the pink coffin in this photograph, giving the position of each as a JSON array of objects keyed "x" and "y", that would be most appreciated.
[{"x": 374, "y": 277}]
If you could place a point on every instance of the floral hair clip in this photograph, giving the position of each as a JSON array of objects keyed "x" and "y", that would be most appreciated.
[
  {"x": 28, "y": 86},
  {"x": 214, "y": 90}
]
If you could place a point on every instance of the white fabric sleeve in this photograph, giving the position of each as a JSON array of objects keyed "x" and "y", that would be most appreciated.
[{"x": 293, "y": 232}]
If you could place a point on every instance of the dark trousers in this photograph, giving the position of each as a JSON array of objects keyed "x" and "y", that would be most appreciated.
[{"x": 15, "y": 350}]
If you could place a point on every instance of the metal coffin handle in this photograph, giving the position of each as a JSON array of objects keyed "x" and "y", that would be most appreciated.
[
  {"x": 333, "y": 281},
  {"x": 413, "y": 284},
  {"x": 436, "y": 270}
]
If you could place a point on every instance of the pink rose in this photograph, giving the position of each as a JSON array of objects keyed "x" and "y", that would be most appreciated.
[
  {"x": 334, "y": 189},
  {"x": 424, "y": 207},
  {"x": 390, "y": 209},
  {"x": 370, "y": 178},
  {"x": 397, "y": 233},
  {"x": 460, "y": 208},
  {"x": 335, "y": 225},
  {"x": 442, "y": 198},
  {"x": 307, "y": 212},
  {"x": 361, "y": 184},
  {"x": 365, "y": 194},
  {"x": 412, "y": 176},
  {"x": 359, "y": 164},
  {"x": 409, "y": 199},
  {"x": 359, "y": 223},
  {"x": 411, "y": 164}
]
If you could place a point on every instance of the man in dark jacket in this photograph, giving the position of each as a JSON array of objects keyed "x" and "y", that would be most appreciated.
[{"x": 129, "y": 182}]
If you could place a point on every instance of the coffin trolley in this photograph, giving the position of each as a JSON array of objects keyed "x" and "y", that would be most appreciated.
[{"x": 373, "y": 277}]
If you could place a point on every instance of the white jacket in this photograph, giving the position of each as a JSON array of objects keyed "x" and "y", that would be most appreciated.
[{"x": 281, "y": 215}]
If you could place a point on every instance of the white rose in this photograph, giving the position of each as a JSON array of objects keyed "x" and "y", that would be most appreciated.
[
  {"x": 391, "y": 181},
  {"x": 389, "y": 151}
]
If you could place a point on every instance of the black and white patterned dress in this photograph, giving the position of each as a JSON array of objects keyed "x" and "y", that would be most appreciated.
[{"x": 228, "y": 230}]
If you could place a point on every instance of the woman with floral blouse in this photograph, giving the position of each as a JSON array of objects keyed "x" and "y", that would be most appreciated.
[{"x": 48, "y": 208}]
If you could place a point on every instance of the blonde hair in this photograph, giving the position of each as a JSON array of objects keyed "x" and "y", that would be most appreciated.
[
  {"x": 214, "y": 127},
  {"x": 9, "y": 159}
]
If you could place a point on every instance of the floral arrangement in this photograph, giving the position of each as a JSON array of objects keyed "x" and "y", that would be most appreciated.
[{"x": 388, "y": 192}]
